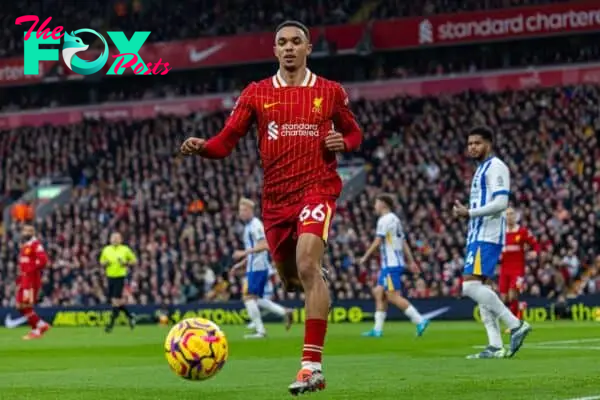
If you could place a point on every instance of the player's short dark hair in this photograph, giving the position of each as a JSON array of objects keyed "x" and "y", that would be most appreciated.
[
  {"x": 295, "y": 24},
  {"x": 387, "y": 199},
  {"x": 483, "y": 131}
]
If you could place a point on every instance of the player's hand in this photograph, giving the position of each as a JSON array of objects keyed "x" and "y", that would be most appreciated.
[
  {"x": 335, "y": 142},
  {"x": 192, "y": 146},
  {"x": 459, "y": 210},
  {"x": 239, "y": 254},
  {"x": 362, "y": 261}
]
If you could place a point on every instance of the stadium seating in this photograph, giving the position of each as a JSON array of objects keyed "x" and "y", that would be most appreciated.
[
  {"x": 195, "y": 18},
  {"x": 395, "y": 8},
  {"x": 180, "y": 215},
  {"x": 407, "y": 64}
]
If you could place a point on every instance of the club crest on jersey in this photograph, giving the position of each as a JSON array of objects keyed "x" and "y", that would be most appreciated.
[
  {"x": 27, "y": 251},
  {"x": 317, "y": 104},
  {"x": 517, "y": 238}
]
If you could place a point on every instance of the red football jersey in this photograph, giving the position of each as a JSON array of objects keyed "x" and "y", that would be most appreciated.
[
  {"x": 513, "y": 254},
  {"x": 293, "y": 123},
  {"x": 32, "y": 258}
]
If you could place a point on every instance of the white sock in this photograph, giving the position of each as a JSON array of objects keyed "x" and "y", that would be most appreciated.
[
  {"x": 485, "y": 296},
  {"x": 41, "y": 323},
  {"x": 413, "y": 315},
  {"x": 492, "y": 326},
  {"x": 271, "y": 306},
  {"x": 254, "y": 314},
  {"x": 379, "y": 320},
  {"x": 313, "y": 366}
]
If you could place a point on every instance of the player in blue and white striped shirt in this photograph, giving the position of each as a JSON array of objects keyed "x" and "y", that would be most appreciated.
[
  {"x": 268, "y": 294},
  {"x": 258, "y": 267},
  {"x": 487, "y": 226},
  {"x": 393, "y": 249}
]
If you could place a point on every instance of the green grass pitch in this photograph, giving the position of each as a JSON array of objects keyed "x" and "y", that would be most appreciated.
[{"x": 560, "y": 361}]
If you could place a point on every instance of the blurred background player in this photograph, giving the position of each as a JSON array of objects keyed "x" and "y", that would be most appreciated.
[
  {"x": 32, "y": 259},
  {"x": 256, "y": 258},
  {"x": 488, "y": 201},
  {"x": 269, "y": 292},
  {"x": 116, "y": 258},
  {"x": 297, "y": 145},
  {"x": 394, "y": 250},
  {"x": 512, "y": 265},
  {"x": 271, "y": 284}
]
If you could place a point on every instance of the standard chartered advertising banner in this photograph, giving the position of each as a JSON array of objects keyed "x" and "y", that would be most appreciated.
[{"x": 585, "y": 308}]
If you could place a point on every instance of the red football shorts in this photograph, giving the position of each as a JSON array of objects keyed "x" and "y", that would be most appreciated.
[
  {"x": 508, "y": 281},
  {"x": 283, "y": 225},
  {"x": 27, "y": 292}
]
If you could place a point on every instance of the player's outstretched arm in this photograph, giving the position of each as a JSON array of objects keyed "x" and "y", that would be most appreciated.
[{"x": 236, "y": 126}]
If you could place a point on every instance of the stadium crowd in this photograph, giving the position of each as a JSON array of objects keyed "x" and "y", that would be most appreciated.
[
  {"x": 180, "y": 215},
  {"x": 378, "y": 66},
  {"x": 169, "y": 20}
]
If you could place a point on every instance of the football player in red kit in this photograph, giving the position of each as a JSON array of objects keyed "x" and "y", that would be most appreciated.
[
  {"x": 303, "y": 120},
  {"x": 32, "y": 259},
  {"x": 512, "y": 265}
]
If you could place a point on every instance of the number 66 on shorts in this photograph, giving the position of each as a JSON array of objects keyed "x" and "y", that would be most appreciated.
[
  {"x": 283, "y": 226},
  {"x": 316, "y": 218}
]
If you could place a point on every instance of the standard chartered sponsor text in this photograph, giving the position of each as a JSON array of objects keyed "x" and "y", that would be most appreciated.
[
  {"x": 300, "y": 130},
  {"x": 538, "y": 22}
]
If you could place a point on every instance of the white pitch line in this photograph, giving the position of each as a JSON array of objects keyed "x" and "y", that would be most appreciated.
[
  {"x": 591, "y": 340},
  {"x": 586, "y": 398},
  {"x": 533, "y": 346}
]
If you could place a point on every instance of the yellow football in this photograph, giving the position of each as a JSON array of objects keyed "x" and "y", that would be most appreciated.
[{"x": 196, "y": 349}]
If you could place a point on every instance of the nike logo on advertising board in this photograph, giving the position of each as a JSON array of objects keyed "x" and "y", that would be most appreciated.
[
  {"x": 197, "y": 56},
  {"x": 13, "y": 323},
  {"x": 436, "y": 313}
]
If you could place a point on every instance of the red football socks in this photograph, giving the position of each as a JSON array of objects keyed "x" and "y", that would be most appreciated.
[
  {"x": 314, "y": 339},
  {"x": 32, "y": 318}
]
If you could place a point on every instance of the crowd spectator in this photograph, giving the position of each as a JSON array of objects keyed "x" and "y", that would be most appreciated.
[{"x": 180, "y": 215}]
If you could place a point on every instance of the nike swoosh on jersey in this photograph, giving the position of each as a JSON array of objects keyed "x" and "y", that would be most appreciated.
[
  {"x": 13, "y": 323},
  {"x": 269, "y": 105}
]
